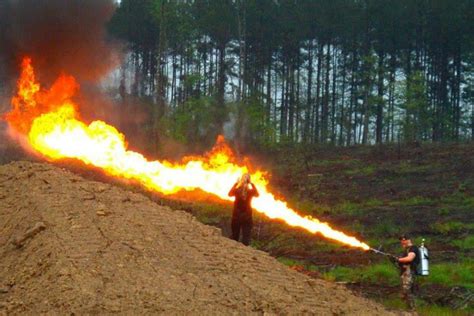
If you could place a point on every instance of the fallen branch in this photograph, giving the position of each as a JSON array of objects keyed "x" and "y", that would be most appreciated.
[{"x": 465, "y": 302}]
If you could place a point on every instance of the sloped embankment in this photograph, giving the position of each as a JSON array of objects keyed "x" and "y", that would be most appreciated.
[{"x": 77, "y": 246}]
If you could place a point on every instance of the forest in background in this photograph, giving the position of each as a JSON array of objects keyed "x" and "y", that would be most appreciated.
[{"x": 338, "y": 72}]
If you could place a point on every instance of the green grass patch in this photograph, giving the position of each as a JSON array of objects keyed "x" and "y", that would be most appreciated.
[
  {"x": 212, "y": 211},
  {"x": 459, "y": 200},
  {"x": 332, "y": 162},
  {"x": 468, "y": 201},
  {"x": 286, "y": 240},
  {"x": 364, "y": 171},
  {"x": 452, "y": 274},
  {"x": 319, "y": 246},
  {"x": 209, "y": 220},
  {"x": 385, "y": 228},
  {"x": 348, "y": 208},
  {"x": 289, "y": 262},
  {"x": 391, "y": 245},
  {"x": 444, "y": 211},
  {"x": 395, "y": 303},
  {"x": 357, "y": 226},
  {"x": 445, "y": 274},
  {"x": 464, "y": 244},
  {"x": 435, "y": 310},
  {"x": 413, "y": 201},
  {"x": 305, "y": 206},
  {"x": 447, "y": 228},
  {"x": 374, "y": 203},
  {"x": 406, "y": 167},
  {"x": 381, "y": 273},
  {"x": 292, "y": 262}
]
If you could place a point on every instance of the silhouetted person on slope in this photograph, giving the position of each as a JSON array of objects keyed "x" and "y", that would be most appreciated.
[{"x": 243, "y": 190}]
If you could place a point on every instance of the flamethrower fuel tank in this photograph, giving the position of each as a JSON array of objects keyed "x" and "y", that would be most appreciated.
[{"x": 423, "y": 266}]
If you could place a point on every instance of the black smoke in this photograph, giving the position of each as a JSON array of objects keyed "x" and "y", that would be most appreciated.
[{"x": 62, "y": 36}]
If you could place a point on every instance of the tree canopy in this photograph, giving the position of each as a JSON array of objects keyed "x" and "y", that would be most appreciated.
[{"x": 341, "y": 72}]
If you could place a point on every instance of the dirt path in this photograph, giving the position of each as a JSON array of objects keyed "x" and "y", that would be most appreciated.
[{"x": 95, "y": 248}]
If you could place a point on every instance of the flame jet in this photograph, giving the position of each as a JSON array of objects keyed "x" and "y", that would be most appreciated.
[{"x": 50, "y": 121}]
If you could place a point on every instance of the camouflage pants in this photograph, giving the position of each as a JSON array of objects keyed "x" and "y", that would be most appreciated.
[{"x": 408, "y": 287}]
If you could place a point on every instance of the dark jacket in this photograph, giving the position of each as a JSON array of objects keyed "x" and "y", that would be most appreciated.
[{"x": 243, "y": 204}]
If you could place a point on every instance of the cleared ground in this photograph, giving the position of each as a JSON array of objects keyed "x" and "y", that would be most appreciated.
[{"x": 69, "y": 245}]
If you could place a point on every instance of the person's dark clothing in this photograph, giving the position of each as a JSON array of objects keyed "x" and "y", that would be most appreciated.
[
  {"x": 407, "y": 276},
  {"x": 246, "y": 227},
  {"x": 242, "y": 213},
  {"x": 414, "y": 263}
]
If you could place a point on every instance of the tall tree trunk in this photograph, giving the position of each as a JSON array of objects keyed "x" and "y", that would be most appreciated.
[
  {"x": 333, "y": 97},
  {"x": 457, "y": 91},
  {"x": 291, "y": 102},
  {"x": 269, "y": 95},
  {"x": 297, "y": 100},
  {"x": 353, "y": 99},
  {"x": 390, "y": 137},
  {"x": 160, "y": 85},
  {"x": 317, "y": 129},
  {"x": 284, "y": 104},
  {"x": 325, "y": 108},
  {"x": 472, "y": 121},
  {"x": 443, "y": 95},
  {"x": 210, "y": 84},
  {"x": 342, "y": 119},
  {"x": 242, "y": 28},
  {"x": 308, "y": 116},
  {"x": 380, "y": 94},
  {"x": 174, "y": 89},
  {"x": 220, "y": 110}
]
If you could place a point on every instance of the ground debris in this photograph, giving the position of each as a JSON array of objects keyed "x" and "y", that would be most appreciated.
[
  {"x": 458, "y": 298},
  {"x": 19, "y": 241},
  {"x": 88, "y": 197},
  {"x": 101, "y": 213},
  {"x": 4, "y": 289}
]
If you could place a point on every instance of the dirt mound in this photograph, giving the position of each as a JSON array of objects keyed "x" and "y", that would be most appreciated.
[{"x": 77, "y": 246}]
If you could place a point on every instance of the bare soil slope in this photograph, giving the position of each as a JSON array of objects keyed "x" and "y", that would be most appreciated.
[{"x": 68, "y": 245}]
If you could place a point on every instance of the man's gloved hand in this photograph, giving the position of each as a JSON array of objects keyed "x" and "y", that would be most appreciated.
[{"x": 394, "y": 259}]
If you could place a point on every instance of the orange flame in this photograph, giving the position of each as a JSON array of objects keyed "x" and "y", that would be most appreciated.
[{"x": 50, "y": 120}]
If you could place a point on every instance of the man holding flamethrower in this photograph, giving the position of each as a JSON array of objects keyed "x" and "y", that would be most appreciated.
[{"x": 409, "y": 268}]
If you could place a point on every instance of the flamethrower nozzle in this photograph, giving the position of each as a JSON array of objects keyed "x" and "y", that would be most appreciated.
[{"x": 382, "y": 253}]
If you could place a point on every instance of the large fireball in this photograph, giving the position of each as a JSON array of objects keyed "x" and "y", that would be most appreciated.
[{"x": 51, "y": 123}]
